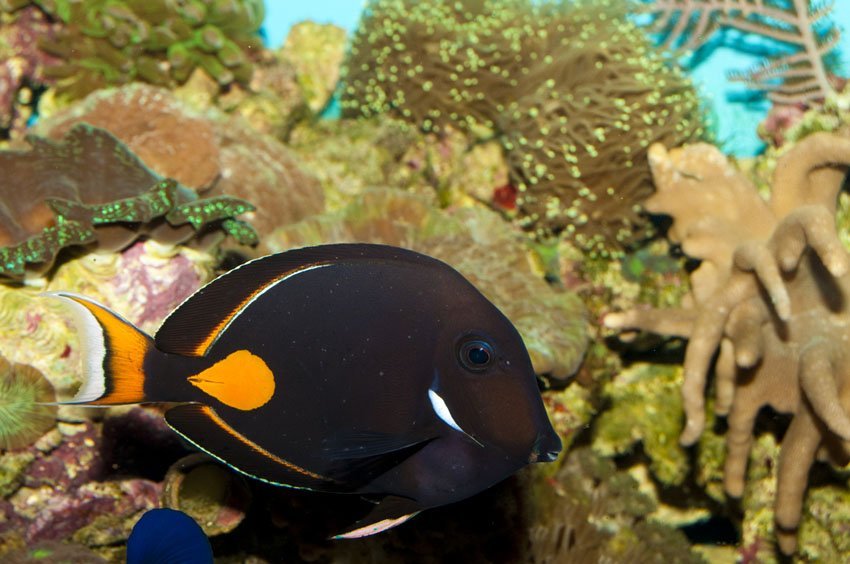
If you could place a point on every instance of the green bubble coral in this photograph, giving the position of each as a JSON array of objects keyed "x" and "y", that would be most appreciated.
[
  {"x": 22, "y": 418},
  {"x": 110, "y": 42}
]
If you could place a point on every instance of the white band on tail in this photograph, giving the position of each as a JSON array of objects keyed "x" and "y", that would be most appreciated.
[{"x": 92, "y": 348}]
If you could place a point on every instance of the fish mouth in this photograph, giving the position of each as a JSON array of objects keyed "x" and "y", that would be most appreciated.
[{"x": 546, "y": 448}]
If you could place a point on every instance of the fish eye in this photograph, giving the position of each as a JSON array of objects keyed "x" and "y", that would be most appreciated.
[{"x": 476, "y": 355}]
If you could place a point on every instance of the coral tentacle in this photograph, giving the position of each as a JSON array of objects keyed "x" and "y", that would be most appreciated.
[{"x": 818, "y": 384}]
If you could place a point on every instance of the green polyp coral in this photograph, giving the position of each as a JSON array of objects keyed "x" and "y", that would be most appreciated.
[
  {"x": 646, "y": 407},
  {"x": 42, "y": 249},
  {"x": 111, "y": 42},
  {"x": 23, "y": 419},
  {"x": 436, "y": 63},
  {"x": 89, "y": 189},
  {"x": 574, "y": 92}
]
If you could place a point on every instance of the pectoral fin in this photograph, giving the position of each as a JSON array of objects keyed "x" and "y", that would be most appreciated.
[
  {"x": 390, "y": 512},
  {"x": 357, "y": 458}
]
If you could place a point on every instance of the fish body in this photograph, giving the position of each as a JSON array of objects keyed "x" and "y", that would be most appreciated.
[
  {"x": 168, "y": 536},
  {"x": 341, "y": 368}
]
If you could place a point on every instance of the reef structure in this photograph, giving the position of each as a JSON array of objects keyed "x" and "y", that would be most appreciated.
[
  {"x": 89, "y": 188},
  {"x": 771, "y": 297},
  {"x": 213, "y": 153}
]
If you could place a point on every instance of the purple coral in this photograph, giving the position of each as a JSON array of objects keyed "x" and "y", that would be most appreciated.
[{"x": 21, "y": 67}]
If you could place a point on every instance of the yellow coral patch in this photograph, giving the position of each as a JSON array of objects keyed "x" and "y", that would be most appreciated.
[{"x": 242, "y": 381}]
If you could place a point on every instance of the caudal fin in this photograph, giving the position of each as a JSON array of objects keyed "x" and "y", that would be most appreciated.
[{"x": 113, "y": 352}]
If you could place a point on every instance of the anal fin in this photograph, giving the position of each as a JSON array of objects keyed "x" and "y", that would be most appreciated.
[
  {"x": 390, "y": 512},
  {"x": 204, "y": 428}
]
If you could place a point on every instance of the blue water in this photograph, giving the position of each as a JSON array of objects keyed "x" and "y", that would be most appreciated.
[{"x": 735, "y": 111}]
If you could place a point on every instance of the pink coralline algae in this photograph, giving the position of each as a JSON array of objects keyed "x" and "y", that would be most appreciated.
[
  {"x": 22, "y": 66},
  {"x": 156, "y": 295},
  {"x": 74, "y": 462}
]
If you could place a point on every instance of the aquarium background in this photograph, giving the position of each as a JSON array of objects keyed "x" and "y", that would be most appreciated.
[
  {"x": 737, "y": 112},
  {"x": 684, "y": 297}
]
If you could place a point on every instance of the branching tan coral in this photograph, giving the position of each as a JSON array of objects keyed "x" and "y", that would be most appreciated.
[{"x": 772, "y": 295}]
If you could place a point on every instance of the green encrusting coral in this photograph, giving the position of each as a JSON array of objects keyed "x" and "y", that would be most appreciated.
[
  {"x": 110, "y": 42},
  {"x": 593, "y": 512},
  {"x": 573, "y": 90},
  {"x": 89, "y": 188},
  {"x": 22, "y": 418},
  {"x": 646, "y": 407}
]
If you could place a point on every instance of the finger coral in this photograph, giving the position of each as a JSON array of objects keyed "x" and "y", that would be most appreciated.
[
  {"x": 108, "y": 42},
  {"x": 770, "y": 298},
  {"x": 89, "y": 188},
  {"x": 573, "y": 90},
  {"x": 476, "y": 242},
  {"x": 22, "y": 418}
]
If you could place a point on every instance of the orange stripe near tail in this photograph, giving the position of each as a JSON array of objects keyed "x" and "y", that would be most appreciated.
[{"x": 113, "y": 351}]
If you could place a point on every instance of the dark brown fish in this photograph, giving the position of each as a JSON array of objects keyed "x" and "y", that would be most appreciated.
[{"x": 342, "y": 368}]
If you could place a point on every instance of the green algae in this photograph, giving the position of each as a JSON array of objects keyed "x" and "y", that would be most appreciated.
[{"x": 646, "y": 409}]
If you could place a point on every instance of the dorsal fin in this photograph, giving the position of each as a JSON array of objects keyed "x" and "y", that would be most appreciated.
[{"x": 196, "y": 324}]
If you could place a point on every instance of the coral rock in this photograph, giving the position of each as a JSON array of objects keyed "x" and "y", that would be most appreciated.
[
  {"x": 21, "y": 67},
  {"x": 154, "y": 126},
  {"x": 316, "y": 52}
]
